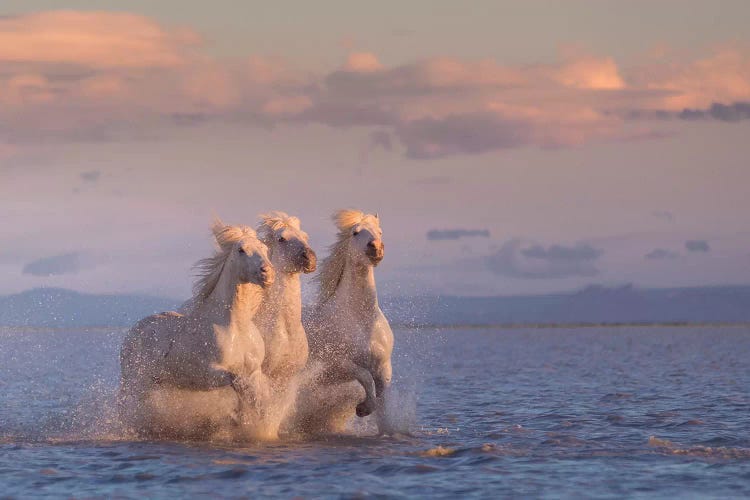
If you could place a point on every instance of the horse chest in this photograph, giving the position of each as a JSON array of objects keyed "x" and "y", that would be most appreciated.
[
  {"x": 286, "y": 348},
  {"x": 276, "y": 341},
  {"x": 239, "y": 348}
]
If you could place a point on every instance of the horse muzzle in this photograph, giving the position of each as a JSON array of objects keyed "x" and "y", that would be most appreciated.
[
  {"x": 266, "y": 276},
  {"x": 375, "y": 253},
  {"x": 309, "y": 261}
]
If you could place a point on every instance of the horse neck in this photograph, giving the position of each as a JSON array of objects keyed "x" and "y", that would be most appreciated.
[
  {"x": 283, "y": 299},
  {"x": 231, "y": 303},
  {"x": 357, "y": 290}
]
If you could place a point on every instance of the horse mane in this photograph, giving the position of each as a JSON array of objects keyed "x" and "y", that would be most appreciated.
[
  {"x": 332, "y": 267},
  {"x": 210, "y": 268},
  {"x": 273, "y": 221}
]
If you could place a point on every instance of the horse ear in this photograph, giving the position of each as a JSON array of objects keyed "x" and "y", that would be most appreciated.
[
  {"x": 217, "y": 227},
  {"x": 376, "y": 216}
]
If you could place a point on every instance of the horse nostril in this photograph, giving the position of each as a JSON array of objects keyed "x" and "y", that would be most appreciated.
[
  {"x": 265, "y": 269},
  {"x": 371, "y": 244}
]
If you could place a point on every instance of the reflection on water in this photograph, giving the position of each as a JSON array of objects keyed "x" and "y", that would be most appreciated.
[{"x": 559, "y": 412}]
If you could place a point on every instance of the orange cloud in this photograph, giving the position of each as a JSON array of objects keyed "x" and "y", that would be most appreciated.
[
  {"x": 98, "y": 39},
  {"x": 362, "y": 62},
  {"x": 591, "y": 73},
  {"x": 721, "y": 77}
]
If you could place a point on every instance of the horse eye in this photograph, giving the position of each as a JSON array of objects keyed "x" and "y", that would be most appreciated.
[
  {"x": 241, "y": 250},
  {"x": 282, "y": 239},
  {"x": 355, "y": 233}
]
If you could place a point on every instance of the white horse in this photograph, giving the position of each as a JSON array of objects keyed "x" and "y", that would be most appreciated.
[
  {"x": 348, "y": 333},
  {"x": 280, "y": 315},
  {"x": 198, "y": 375}
]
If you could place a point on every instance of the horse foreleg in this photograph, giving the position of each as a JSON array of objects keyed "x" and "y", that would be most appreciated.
[
  {"x": 345, "y": 370},
  {"x": 216, "y": 378},
  {"x": 255, "y": 407},
  {"x": 382, "y": 375}
]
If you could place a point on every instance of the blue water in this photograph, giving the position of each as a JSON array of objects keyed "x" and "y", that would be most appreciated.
[{"x": 591, "y": 412}]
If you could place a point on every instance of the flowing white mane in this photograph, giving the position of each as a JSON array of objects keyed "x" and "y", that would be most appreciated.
[
  {"x": 332, "y": 267},
  {"x": 273, "y": 221},
  {"x": 210, "y": 268}
]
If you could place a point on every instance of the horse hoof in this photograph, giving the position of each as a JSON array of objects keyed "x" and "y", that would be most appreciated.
[{"x": 363, "y": 410}]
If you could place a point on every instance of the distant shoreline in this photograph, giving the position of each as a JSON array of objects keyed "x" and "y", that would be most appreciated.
[
  {"x": 592, "y": 307},
  {"x": 519, "y": 326},
  {"x": 498, "y": 326},
  {"x": 512, "y": 326}
]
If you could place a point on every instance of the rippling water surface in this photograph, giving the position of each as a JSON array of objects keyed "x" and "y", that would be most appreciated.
[{"x": 594, "y": 412}]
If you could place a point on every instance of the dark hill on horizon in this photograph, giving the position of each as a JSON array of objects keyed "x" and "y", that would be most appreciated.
[
  {"x": 592, "y": 305},
  {"x": 61, "y": 308}
]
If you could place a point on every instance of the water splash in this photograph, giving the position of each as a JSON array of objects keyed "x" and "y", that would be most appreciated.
[{"x": 35, "y": 365}]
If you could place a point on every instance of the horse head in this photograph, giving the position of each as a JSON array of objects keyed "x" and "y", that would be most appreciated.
[
  {"x": 287, "y": 243},
  {"x": 246, "y": 255},
  {"x": 363, "y": 235}
]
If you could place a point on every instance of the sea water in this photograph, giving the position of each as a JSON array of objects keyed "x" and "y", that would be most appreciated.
[{"x": 477, "y": 412}]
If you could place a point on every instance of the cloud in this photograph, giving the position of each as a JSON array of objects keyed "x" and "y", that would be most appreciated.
[
  {"x": 381, "y": 139},
  {"x": 697, "y": 246},
  {"x": 665, "y": 215},
  {"x": 734, "y": 112},
  {"x": 661, "y": 254},
  {"x": 92, "y": 39},
  {"x": 362, "y": 62},
  {"x": 71, "y": 76},
  {"x": 516, "y": 260},
  {"x": 591, "y": 73},
  {"x": 461, "y": 134},
  {"x": 721, "y": 76},
  {"x": 433, "y": 180},
  {"x": 90, "y": 176},
  {"x": 107, "y": 76},
  {"x": 562, "y": 253},
  {"x": 456, "y": 234},
  {"x": 69, "y": 263}
]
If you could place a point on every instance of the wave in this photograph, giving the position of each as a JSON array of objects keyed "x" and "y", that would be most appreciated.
[{"x": 718, "y": 452}]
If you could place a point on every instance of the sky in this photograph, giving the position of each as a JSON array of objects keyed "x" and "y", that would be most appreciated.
[{"x": 510, "y": 147}]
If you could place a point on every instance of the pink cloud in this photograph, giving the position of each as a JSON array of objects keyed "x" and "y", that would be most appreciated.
[
  {"x": 98, "y": 39},
  {"x": 97, "y": 75},
  {"x": 723, "y": 76},
  {"x": 72, "y": 75}
]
